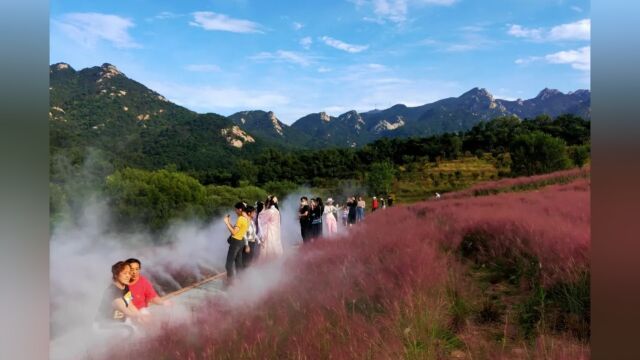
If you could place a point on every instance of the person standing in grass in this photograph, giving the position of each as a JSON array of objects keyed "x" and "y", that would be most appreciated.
[
  {"x": 314, "y": 219},
  {"x": 360, "y": 209},
  {"x": 345, "y": 214},
  {"x": 320, "y": 210},
  {"x": 236, "y": 241},
  {"x": 352, "y": 210},
  {"x": 304, "y": 216},
  {"x": 251, "y": 239},
  {"x": 331, "y": 217},
  {"x": 269, "y": 220}
]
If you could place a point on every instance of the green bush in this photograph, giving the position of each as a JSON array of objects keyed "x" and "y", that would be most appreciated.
[
  {"x": 153, "y": 198},
  {"x": 538, "y": 153},
  {"x": 579, "y": 155}
]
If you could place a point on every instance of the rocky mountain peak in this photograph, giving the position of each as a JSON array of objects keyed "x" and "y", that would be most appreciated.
[
  {"x": 325, "y": 117},
  {"x": 276, "y": 123},
  {"x": 478, "y": 93},
  {"x": 108, "y": 71},
  {"x": 60, "y": 66},
  {"x": 582, "y": 94},
  {"x": 398, "y": 107},
  {"x": 547, "y": 93},
  {"x": 236, "y": 137},
  {"x": 385, "y": 125},
  {"x": 352, "y": 114}
]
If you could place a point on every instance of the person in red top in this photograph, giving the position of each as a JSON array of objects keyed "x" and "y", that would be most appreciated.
[
  {"x": 374, "y": 204},
  {"x": 141, "y": 289}
]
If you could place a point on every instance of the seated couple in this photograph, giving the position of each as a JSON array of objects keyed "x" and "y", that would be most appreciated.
[{"x": 125, "y": 300}]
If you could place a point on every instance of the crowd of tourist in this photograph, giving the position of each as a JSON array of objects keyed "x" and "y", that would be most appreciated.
[{"x": 254, "y": 237}]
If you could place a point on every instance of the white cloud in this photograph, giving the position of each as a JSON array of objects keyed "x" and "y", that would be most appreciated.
[
  {"x": 579, "y": 59},
  {"x": 471, "y": 38},
  {"x": 286, "y": 56},
  {"x": 579, "y": 30},
  {"x": 166, "y": 15},
  {"x": 306, "y": 42},
  {"x": 297, "y": 26},
  {"x": 323, "y": 69},
  {"x": 525, "y": 61},
  {"x": 88, "y": 29},
  {"x": 350, "y": 48},
  {"x": 576, "y": 9},
  {"x": 395, "y": 10},
  {"x": 214, "y": 21},
  {"x": 203, "y": 67},
  {"x": 519, "y": 31}
]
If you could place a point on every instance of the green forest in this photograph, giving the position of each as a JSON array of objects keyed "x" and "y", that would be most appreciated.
[{"x": 185, "y": 183}]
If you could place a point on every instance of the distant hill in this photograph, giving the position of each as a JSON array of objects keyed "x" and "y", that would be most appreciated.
[
  {"x": 446, "y": 115},
  {"x": 101, "y": 108},
  {"x": 265, "y": 125}
]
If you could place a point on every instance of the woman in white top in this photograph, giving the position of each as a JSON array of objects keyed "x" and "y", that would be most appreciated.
[{"x": 331, "y": 217}]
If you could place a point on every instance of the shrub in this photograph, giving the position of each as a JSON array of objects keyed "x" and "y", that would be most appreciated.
[
  {"x": 153, "y": 198},
  {"x": 537, "y": 153}
]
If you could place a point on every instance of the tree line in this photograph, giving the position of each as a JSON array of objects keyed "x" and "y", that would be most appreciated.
[{"x": 153, "y": 197}]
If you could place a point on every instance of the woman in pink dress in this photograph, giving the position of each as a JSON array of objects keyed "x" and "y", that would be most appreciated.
[
  {"x": 331, "y": 217},
  {"x": 269, "y": 220}
]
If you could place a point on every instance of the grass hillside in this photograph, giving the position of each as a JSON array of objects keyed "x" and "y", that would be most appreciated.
[
  {"x": 418, "y": 181},
  {"x": 503, "y": 276}
]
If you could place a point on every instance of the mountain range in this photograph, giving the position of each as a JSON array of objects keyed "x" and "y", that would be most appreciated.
[
  {"x": 103, "y": 108},
  {"x": 447, "y": 115}
]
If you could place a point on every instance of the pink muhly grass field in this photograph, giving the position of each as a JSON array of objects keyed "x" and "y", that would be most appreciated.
[
  {"x": 380, "y": 291},
  {"x": 521, "y": 183}
]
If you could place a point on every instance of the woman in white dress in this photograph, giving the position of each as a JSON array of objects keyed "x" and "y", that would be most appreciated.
[
  {"x": 331, "y": 217},
  {"x": 269, "y": 224}
]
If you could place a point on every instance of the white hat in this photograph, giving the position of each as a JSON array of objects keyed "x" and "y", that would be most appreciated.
[{"x": 329, "y": 201}]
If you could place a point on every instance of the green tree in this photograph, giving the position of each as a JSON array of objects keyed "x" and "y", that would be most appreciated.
[
  {"x": 153, "y": 198},
  {"x": 579, "y": 155},
  {"x": 246, "y": 171},
  {"x": 380, "y": 177},
  {"x": 280, "y": 188},
  {"x": 537, "y": 153}
]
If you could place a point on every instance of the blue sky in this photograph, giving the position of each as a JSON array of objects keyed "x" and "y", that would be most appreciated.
[{"x": 296, "y": 58}]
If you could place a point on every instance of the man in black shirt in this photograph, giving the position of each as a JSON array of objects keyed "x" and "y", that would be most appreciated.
[
  {"x": 353, "y": 205},
  {"x": 304, "y": 216}
]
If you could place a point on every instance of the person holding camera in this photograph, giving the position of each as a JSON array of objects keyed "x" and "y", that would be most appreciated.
[{"x": 236, "y": 241}]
